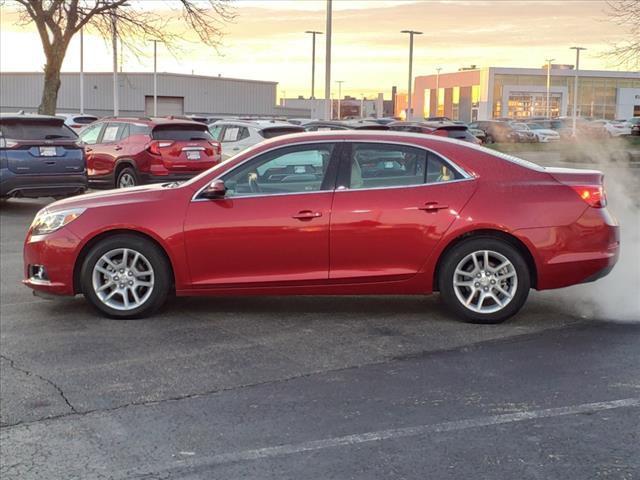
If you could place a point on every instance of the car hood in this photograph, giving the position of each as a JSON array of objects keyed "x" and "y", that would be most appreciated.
[{"x": 118, "y": 196}]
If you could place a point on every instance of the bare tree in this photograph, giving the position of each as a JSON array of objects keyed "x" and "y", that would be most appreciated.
[
  {"x": 57, "y": 21},
  {"x": 626, "y": 14}
]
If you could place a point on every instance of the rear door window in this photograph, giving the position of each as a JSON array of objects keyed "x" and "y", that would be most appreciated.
[
  {"x": 181, "y": 133},
  {"x": 37, "y": 130},
  {"x": 385, "y": 166},
  {"x": 111, "y": 132}
]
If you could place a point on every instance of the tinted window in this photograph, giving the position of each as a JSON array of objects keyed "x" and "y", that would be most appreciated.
[
  {"x": 286, "y": 170},
  {"x": 90, "y": 134},
  {"x": 462, "y": 134},
  {"x": 139, "y": 129},
  {"x": 84, "y": 120},
  {"x": 181, "y": 132},
  {"x": 379, "y": 166},
  {"x": 34, "y": 130}
]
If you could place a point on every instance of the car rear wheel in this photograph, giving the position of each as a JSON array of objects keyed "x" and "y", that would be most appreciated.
[
  {"x": 484, "y": 280},
  {"x": 125, "y": 276},
  {"x": 127, "y": 178}
]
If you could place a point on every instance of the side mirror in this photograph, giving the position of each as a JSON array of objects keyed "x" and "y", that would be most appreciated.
[{"x": 215, "y": 189}]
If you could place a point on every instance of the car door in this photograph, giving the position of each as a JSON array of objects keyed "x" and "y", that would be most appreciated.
[
  {"x": 272, "y": 226},
  {"x": 392, "y": 205},
  {"x": 89, "y": 137},
  {"x": 105, "y": 152}
]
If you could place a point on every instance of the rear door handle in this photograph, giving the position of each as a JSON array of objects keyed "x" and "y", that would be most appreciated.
[
  {"x": 117, "y": 147},
  {"x": 307, "y": 215},
  {"x": 433, "y": 207},
  {"x": 87, "y": 149}
]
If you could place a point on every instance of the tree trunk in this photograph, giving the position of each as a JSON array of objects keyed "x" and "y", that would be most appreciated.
[{"x": 51, "y": 84}]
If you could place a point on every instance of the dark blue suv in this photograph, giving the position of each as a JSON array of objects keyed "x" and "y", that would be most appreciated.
[{"x": 39, "y": 157}]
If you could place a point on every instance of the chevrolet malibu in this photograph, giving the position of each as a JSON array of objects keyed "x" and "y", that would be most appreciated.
[{"x": 333, "y": 213}]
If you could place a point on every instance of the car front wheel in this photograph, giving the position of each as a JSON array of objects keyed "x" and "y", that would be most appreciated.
[
  {"x": 125, "y": 276},
  {"x": 484, "y": 280}
]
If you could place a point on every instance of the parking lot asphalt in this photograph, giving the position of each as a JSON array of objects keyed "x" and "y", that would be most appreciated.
[{"x": 310, "y": 387}]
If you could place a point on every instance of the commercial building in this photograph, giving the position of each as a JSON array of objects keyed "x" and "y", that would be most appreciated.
[
  {"x": 177, "y": 94},
  {"x": 349, "y": 107},
  {"x": 520, "y": 93}
]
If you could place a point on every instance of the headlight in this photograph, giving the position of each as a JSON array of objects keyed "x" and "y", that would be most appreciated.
[{"x": 47, "y": 222}]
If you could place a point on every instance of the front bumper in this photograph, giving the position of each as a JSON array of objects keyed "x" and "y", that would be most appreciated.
[{"x": 57, "y": 252}]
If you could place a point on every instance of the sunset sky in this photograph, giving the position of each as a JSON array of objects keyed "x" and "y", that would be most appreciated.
[{"x": 267, "y": 41}]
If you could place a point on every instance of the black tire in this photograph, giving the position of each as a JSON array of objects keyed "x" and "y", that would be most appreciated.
[
  {"x": 488, "y": 139},
  {"x": 162, "y": 275},
  {"x": 458, "y": 253},
  {"x": 127, "y": 172}
]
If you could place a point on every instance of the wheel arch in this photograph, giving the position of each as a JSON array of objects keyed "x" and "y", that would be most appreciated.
[
  {"x": 122, "y": 164},
  {"x": 86, "y": 248},
  {"x": 489, "y": 233}
]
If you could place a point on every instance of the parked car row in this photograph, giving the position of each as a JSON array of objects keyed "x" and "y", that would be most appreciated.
[{"x": 63, "y": 155}]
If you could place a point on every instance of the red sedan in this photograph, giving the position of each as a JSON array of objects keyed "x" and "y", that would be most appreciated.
[{"x": 346, "y": 212}]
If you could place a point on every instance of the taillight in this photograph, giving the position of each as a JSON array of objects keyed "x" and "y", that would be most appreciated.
[
  {"x": 155, "y": 146},
  {"x": 217, "y": 148},
  {"x": 594, "y": 195}
]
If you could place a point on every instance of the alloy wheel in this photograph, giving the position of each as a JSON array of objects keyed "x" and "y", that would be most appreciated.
[
  {"x": 123, "y": 279},
  {"x": 126, "y": 180},
  {"x": 485, "y": 281}
]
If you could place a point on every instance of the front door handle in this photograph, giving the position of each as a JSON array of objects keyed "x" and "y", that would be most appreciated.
[
  {"x": 307, "y": 215},
  {"x": 433, "y": 207},
  {"x": 87, "y": 149},
  {"x": 117, "y": 147}
]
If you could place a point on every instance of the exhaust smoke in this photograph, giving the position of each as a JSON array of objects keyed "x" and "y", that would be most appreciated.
[{"x": 615, "y": 297}]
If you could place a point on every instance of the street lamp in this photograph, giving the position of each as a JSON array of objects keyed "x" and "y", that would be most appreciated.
[
  {"x": 549, "y": 60},
  {"x": 362, "y": 105},
  {"x": 313, "y": 61},
  {"x": 575, "y": 86},
  {"x": 339, "y": 82},
  {"x": 155, "y": 78},
  {"x": 411, "y": 34},
  {"x": 82, "y": 71},
  {"x": 114, "y": 45},
  {"x": 437, "y": 91},
  {"x": 327, "y": 67}
]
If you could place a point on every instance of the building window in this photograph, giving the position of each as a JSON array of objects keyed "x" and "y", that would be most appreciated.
[
  {"x": 455, "y": 104},
  {"x": 427, "y": 103},
  {"x": 440, "y": 110}
]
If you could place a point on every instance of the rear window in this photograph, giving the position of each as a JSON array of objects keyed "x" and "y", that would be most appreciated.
[
  {"x": 47, "y": 130},
  {"x": 183, "y": 133},
  {"x": 277, "y": 131},
  {"x": 84, "y": 120}
]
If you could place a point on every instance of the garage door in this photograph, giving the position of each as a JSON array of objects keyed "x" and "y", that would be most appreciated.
[{"x": 166, "y": 105}]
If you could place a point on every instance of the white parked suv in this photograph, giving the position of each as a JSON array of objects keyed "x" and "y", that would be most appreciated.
[
  {"x": 545, "y": 135},
  {"x": 238, "y": 135}
]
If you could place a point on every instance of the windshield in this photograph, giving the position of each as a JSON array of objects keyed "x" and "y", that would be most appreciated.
[{"x": 37, "y": 130}]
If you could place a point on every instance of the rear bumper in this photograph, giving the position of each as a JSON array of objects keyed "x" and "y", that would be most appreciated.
[
  {"x": 33, "y": 186},
  {"x": 578, "y": 253}
]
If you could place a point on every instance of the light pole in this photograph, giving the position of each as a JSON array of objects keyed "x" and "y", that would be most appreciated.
[
  {"x": 411, "y": 34},
  {"x": 327, "y": 67},
  {"x": 339, "y": 82},
  {"x": 437, "y": 91},
  {"x": 362, "y": 105},
  {"x": 155, "y": 78},
  {"x": 549, "y": 60},
  {"x": 575, "y": 87},
  {"x": 313, "y": 61},
  {"x": 82, "y": 71},
  {"x": 114, "y": 44}
]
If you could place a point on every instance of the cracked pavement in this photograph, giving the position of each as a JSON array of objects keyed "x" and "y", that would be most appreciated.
[{"x": 85, "y": 397}]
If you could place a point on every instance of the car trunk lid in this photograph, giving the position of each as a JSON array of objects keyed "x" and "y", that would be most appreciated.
[
  {"x": 40, "y": 146},
  {"x": 185, "y": 146}
]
